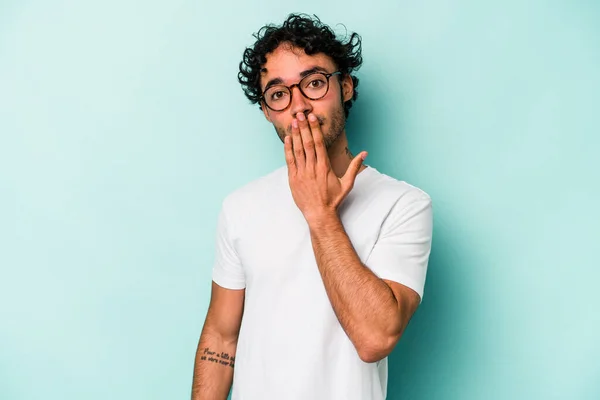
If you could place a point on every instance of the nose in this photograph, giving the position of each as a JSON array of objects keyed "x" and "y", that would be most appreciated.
[{"x": 299, "y": 103}]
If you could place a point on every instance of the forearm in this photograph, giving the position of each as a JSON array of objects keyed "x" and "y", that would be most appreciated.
[
  {"x": 363, "y": 303},
  {"x": 213, "y": 368}
]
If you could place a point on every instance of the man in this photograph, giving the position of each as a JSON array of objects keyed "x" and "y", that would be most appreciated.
[{"x": 320, "y": 264}]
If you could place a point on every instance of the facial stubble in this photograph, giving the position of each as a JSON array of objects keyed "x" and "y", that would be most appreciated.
[{"x": 336, "y": 127}]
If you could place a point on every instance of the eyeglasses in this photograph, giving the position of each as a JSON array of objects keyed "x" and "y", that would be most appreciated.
[{"x": 313, "y": 86}]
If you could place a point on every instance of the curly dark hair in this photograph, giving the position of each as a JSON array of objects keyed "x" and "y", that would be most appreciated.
[{"x": 301, "y": 31}]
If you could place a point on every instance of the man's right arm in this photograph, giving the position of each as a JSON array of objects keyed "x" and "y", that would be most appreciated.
[{"x": 215, "y": 356}]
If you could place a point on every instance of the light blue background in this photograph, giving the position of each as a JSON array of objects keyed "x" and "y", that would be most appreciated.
[{"x": 123, "y": 127}]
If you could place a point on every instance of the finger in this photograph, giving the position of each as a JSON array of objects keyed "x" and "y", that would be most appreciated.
[
  {"x": 350, "y": 175},
  {"x": 317, "y": 134},
  {"x": 307, "y": 141},
  {"x": 289, "y": 155},
  {"x": 297, "y": 147}
]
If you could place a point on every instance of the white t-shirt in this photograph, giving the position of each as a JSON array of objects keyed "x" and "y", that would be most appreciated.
[{"x": 291, "y": 345}]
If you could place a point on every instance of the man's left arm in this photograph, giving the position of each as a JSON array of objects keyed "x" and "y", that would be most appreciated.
[{"x": 374, "y": 312}]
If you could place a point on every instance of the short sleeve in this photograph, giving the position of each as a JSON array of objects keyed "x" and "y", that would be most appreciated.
[
  {"x": 227, "y": 269},
  {"x": 401, "y": 252}
]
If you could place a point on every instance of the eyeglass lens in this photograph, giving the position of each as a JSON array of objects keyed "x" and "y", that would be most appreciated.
[{"x": 313, "y": 86}]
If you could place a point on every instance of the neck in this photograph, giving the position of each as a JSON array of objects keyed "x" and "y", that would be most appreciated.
[{"x": 340, "y": 156}]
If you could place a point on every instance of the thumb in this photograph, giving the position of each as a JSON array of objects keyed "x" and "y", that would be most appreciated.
[{"x": 350, "y": 175}]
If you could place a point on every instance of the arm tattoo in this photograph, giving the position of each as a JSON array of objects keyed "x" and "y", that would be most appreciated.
[{"x": 218, "y": 358}]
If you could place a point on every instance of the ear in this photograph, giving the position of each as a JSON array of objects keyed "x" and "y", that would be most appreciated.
[{"x": 347, "y": 87}]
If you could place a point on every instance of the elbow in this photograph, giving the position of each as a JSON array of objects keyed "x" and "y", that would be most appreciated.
[
  {"x": 377, "y": 344},
  {"x": 377, "y": 347},
  {"x": 370, "y": 357}
]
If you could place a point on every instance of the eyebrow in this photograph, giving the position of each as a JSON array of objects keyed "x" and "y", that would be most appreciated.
[{"x": 279, "y": 81}]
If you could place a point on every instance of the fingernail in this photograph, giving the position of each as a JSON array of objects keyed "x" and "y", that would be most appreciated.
[
  {"x": 312, "y": 118},
  {"x": 294, "y": 123},
  {"x": 301, "y": 116}
]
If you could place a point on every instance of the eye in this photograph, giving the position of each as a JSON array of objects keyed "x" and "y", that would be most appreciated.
[
  {"x": 277, "y": 95},
  {"x": 316, "y": 83}
]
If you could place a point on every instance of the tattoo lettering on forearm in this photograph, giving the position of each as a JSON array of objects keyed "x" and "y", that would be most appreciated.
[{"x": 217, "y": 358}]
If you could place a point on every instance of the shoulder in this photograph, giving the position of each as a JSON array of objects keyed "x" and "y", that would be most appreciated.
[
  {"x": 404, "y": 205},
  {"x": 256, "y": 192},
  {"x": 386, "y": 186}
]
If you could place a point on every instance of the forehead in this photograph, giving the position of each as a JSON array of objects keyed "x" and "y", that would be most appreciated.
[{"x": 287, "y": 62}]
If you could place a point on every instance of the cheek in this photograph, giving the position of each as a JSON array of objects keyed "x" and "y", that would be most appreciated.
[
  {"x": 283, "y": 124},
  {"x": 334, "y": 103}
]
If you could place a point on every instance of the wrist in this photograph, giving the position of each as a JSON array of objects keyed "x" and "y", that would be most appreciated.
[{"x": 323, "y": 220}]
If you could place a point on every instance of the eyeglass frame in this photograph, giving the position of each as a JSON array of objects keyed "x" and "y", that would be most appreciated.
[{"x": 291, "y": 87}]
